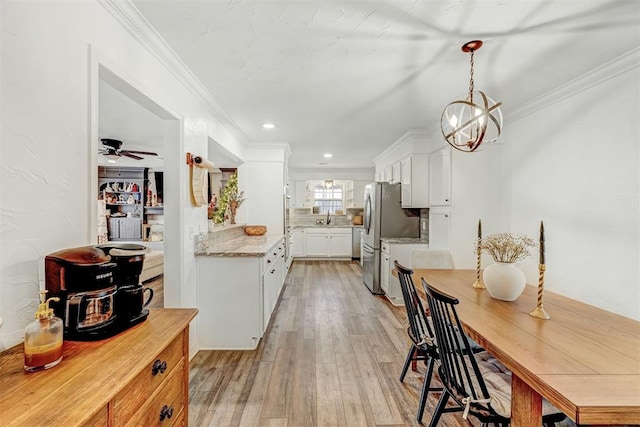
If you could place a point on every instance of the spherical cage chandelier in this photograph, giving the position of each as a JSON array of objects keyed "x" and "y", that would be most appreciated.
[{"x": 473, "y": 123}]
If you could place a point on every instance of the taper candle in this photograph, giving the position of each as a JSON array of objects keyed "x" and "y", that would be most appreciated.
[
  {"x": 478, "y": 283},
  {"x": 541, "y": 242}
]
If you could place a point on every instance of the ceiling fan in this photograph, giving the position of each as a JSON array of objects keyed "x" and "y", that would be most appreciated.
[{"x": 112, "y": 150}]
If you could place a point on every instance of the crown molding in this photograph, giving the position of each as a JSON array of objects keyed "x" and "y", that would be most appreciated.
[
  {"x": 606, "y": 71},
  {"x": 408, "y": 136},
  {"x": 141, "y": 30}
]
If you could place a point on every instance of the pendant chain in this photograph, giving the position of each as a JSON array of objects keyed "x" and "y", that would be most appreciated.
[{"x": 471, "y": 82}]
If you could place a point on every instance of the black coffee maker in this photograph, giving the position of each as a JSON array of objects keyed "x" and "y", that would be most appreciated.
[
  {"x": 130, "y": 303},
  {"x": 92, "y": 284}
]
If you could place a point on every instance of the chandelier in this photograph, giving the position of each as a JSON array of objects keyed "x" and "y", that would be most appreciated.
[{"x": 475, "y": 122}]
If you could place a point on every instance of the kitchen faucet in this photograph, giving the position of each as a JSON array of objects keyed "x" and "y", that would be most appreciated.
[{"x": 328, "y": 218}]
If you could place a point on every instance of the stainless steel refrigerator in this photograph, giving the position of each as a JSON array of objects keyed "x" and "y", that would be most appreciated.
[{"x": 383, "y": 218}]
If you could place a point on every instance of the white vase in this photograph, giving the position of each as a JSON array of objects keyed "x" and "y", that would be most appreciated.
[{"x": 504, "y": 280}]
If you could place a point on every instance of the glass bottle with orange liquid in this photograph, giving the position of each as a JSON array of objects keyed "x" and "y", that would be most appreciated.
[{"x": 43, "y": 338}]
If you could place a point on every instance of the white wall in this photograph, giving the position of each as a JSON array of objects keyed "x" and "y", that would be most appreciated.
[
  {"x": 575, "y": 165},
  {"x": 46, "y": 152}
]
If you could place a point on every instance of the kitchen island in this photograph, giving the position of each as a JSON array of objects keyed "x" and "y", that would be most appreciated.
[
  {"x": 239, "y": 282},
  {"x": 139, "y": 376}
]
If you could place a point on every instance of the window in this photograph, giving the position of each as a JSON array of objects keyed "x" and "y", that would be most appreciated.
[{"x": 328, "y": 196}]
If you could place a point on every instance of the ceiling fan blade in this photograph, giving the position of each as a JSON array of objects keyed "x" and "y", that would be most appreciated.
[
  {"x": 147, "y": 153},
  {"x": 128, "y": 154}
]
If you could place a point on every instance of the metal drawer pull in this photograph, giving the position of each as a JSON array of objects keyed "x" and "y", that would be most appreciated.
[
  {"x": 166, "y": 412},
  {"x": 158, "y": 367}
]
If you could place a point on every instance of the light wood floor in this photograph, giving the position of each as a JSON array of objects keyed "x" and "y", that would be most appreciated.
[{"x": 331, "y": 357}]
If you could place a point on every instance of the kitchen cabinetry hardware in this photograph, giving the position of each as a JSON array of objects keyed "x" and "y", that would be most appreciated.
[
  {"x": 159, "y": 367},
  {"x": 166, "y": 412}
]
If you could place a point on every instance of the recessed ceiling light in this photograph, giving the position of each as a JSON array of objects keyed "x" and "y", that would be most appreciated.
[
  {"x": 268, "y": 126},
  {"x": 328, "y": 155}
]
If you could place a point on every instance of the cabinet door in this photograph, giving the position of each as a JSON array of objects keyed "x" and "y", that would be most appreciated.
[
  {"x": 269, "y": 283},
  {"x": 317, "y": 243},
  {"x": 379, "y": 176},
  {"x": 405, "y": 179},
  {"x": 440, "y": 177},
  {"x": 385, "y": 270},
  {"x": 388, "y": 174},
  {"x": 439, "y": 229},
  {"x": 395, "y": 172},
  {"x": 340, "y": 245},
  {"x": 131, "y": 228},
  {"x": 298, "y": 246},
  {"x": 358, "y": 193},
  {"x": 114, "y": 228}
]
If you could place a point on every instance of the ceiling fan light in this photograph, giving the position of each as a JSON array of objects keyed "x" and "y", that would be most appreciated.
[{"x": 112, "y": 157}]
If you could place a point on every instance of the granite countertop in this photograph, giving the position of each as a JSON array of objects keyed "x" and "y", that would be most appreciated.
[
  {"x": 245, "y": 246},
  {"x": 328, "y": 226},
  {"x": 396, "y": 240}
]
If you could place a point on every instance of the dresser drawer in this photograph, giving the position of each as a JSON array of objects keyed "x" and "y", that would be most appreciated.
[
  {"x": 165, "y": 406},
  {"x": 129, "y": 400}
]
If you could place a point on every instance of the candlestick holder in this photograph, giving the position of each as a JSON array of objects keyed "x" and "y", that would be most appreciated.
[
  {"x": 479, "y": 284},
  {"x": 539, "y": 311}
]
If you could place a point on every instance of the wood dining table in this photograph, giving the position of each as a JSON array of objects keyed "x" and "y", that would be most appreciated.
[{"x": 584, "y": 360}]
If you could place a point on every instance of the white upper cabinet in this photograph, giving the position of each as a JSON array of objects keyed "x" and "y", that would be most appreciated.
[
  {"x": 395, "y": 172},
  {"x": 414, "y": 171},
  {"x": 388, "y": 174},
  {"x": 440, "y": 177},
  {"x": 358, "y": 193}
]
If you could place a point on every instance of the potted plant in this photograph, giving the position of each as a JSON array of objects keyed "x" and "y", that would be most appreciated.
[
  {"x": 503, "y": 279},
  {"x": 229, "y": 201}
]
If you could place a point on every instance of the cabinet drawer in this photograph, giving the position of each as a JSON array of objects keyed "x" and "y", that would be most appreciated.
[
  {"x": 165, "y": 405},
  {"x": 129, "y": 400},
  {"x": 271, "y": 256}
]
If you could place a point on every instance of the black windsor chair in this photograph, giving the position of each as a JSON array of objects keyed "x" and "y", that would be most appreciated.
[
  {"x": 477, "y": 382},
  {"x": 420, "y": 332}
]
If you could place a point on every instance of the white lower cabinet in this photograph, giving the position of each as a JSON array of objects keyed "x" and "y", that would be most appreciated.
[
  {"x": 400, "y": 252},
  {"x": 385, "y": 272},
  {"x": 328, "y": 242},
  {"x": 236, "y": 297},
  {"x": 298, "y": 247}
]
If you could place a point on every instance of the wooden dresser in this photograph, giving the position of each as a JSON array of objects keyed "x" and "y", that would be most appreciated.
[{"x": 139, "y": 377}]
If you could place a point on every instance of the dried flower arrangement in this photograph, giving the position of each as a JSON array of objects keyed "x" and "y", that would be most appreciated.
[{"x": 507, "y": 247}]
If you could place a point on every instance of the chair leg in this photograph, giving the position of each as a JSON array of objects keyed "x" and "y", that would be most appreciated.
[
  {"x": 442, "y": 403},
  {"x": 425, "y": 389},
  {"x": 407, "y": 362}
]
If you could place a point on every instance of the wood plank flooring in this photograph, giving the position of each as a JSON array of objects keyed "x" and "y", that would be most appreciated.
[{"x": 331, "y": 357}]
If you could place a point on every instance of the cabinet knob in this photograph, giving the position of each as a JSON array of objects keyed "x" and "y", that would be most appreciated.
[
  {"x": 273, "y": 271},
  {"x": 268, "y": 261},
  {"x": 275, "y": 253},
  {"x": 166, "y": 412},
  {"x": 446, "y": 200},
  {"x": 159, "y": 367}
]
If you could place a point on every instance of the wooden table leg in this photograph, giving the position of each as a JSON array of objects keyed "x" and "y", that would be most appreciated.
[{"x": 526, "y": 404}]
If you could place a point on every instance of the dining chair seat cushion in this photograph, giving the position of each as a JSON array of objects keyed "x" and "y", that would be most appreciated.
[{"x": 498, "y": 381}]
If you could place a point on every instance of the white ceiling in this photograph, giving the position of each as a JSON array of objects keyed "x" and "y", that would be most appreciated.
[{"x": 350, "y": 77}]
